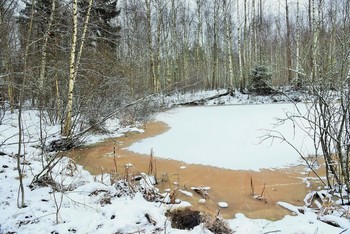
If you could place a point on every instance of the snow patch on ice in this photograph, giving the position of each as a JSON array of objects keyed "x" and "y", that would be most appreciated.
[{"x": 222, "y": 204}]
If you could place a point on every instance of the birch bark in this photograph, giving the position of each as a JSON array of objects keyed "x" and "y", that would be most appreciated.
[{"x": 75, "y": 57}]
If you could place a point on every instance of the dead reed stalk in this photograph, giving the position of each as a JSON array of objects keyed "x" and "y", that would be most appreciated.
[
  {"x": 115, "y": 161},
  {"x": 152, "y": 167}
]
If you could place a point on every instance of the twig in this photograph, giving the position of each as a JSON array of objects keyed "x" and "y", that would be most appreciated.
[
  {"x": 115, "y": 161},
  {"x": 150, "y": 165},
  {"x": 279, "y": 136},
  {"x": 262, "y": 192},
  {"x": 272, "y": 231}
]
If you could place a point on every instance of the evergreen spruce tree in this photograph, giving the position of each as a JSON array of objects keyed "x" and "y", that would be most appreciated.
[
  {"x": 104, "y": 28},
  {"x": 260, "y": 78}
]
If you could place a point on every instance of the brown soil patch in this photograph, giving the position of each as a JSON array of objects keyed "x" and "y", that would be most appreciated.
[{"x": 231, "y": 186}]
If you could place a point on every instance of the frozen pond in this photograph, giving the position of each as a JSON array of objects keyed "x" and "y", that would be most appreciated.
[{"x": 227, "y": 137}]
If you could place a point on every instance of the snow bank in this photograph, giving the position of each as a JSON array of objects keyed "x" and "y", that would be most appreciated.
[{"x": 307, "y": 223}]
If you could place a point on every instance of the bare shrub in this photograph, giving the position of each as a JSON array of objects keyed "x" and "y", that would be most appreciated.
[{"x": 4, "y": 107}]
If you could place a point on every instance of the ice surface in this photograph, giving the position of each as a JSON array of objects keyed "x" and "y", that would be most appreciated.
[{"x": 228, "y": 137}]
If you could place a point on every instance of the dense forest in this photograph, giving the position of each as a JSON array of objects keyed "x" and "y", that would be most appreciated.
[{"x": 87, "y": 57}]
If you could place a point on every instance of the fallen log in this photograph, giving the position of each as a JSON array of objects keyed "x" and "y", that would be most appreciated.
[{"x": 202, "y": 101}]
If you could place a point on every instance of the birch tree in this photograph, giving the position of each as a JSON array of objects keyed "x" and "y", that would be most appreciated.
[
  {"x": 171, "y": 69},
  {"x": 42, "y": 75},
  {"x": 154, "y": 80},
  {"x": 186, "y": 25},
  {"x": 228, "y": 31},
  {"x": 240, "y": 54},
  {"x": 315, "y": 37},
  {"x": 199, "y": 35},
  {"x": 297, "y": 53},
  {"x": 75, "y": 56},
  {"x": 215, "y": 61},
  {"x": 254, "y": 32},
  {"x": 288, "y": 44},
  {"x": 245, "y": 44}
]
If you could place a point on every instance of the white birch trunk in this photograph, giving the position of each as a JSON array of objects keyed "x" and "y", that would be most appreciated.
[
  {"x": 68, "y": 120},
  {"x": 43, "y": 53},
  {"x": 255, "y": 29},
  {"x": 228, "y": 41},
  {"x": 171, "y": 52},
  {"x": 185, "y": 44},
  {"x": 245, "y": 47},
  {"x": 214, "y": 78},
  {"x": 74, "y": 64},
  {"x": 150, "y": 45},
  {"x": 314, "y": 42},
  {"x": 297, "y": 54},
  {"x": 288, "y": 47},
  {"x": 156, "y": 81},
  {"x": 239, "y": 49},
  {"x": 199, "y": 33}
]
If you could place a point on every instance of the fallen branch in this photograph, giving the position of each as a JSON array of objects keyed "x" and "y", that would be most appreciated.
[
  {"x": 203, "y": 191},
  {"x": 202, "y": 101},
  {"x": 150, "y": 220}
]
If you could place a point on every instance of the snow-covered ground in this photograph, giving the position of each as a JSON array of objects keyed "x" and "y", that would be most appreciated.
[
  {"x": 82, "y": 203},
  {"x": 286, "y": 95},
  {"x": 228, "y": 136}
]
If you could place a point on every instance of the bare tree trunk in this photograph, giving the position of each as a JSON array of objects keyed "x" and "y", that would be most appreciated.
[
  {"x": 10, "y": 87},
  {"x": 288, "y": 46},
  {"x": 5, "y": 26},
  {"x": 21, "y": 197},
  {"x": 315, "y": 37},
  {"x": 245, "y": 48},
  {"x": 186, "y": 43},
  {"x": 172, "y": 45},
  {"x": 199, "y": 34},
  {"x": 58, "y": 100},
  {"x": 260, "y": 41},
  {"x": 150, "y": 45},
  {"x": 255, "y": 32},
  {"x": 74, "y": 64},
  {"x": 68, "y": 120},
  {"x": 298, "y": 78},
  {"x": 10, "y": 94},
  {"x": 44, "y": 54},
  {"x": 228, "y": 23},
  {"x": 156, "y": 81},
  {"x": 310, "y": 3},
  {"x": 332, "y": 39},
  {"x": 241, "y": 85},
  {"x": 214, "y": 77}
]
